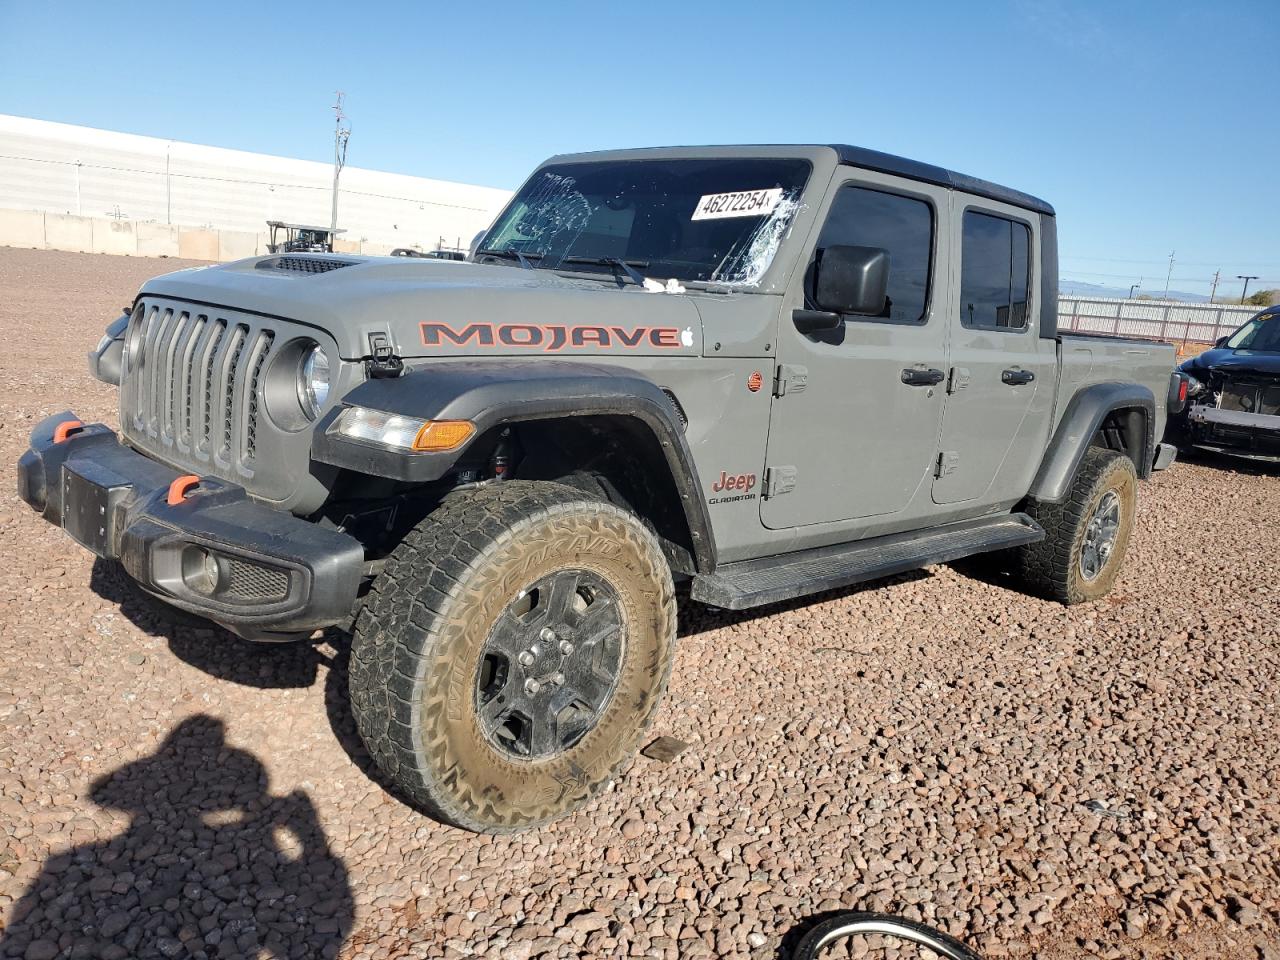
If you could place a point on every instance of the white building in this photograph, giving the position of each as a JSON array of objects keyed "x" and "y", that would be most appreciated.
[{"x": 116, "y": 192}]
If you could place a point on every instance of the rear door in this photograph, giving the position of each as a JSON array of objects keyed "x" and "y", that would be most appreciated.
[
  {"x": 848, "y": 436},
  {"x": 998, "y": 361}
]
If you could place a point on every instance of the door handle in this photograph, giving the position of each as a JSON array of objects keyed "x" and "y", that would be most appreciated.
[
  {"x": 915, "y": 377},
  {"x": 1016, "y": 378}
]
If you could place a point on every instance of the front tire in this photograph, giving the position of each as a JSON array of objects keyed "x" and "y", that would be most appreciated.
[
  {"x": 1086, "y": 535},
  {"x": 512, "y": 653}
]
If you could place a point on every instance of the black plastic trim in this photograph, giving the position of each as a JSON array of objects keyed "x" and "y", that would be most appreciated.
[
  {"x": 1048, "y": 277},
  {"x": 754, "y": 583},
  {"x": 146, "y": 534},
  {"x": 1081, "y": 421},
  {"x": 928, "y": 173},
  {"x": 493, "y": 394}
]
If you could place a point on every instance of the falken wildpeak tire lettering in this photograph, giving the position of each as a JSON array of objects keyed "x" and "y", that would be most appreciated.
[
  {"x": 417, "y": 645},
  {"x": 1051, "y": 567}
]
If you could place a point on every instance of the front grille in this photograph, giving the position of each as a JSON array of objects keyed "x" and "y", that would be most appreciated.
[
  {"x": 1250, "y": 397},
  {"x": 192, "y": 383},
  {"x": 253, "y": 583}
]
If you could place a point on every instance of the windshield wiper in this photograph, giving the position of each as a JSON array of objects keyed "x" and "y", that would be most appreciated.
[
  {"x": 624, "y": 265},
  {"x": 511, "y": 253}
]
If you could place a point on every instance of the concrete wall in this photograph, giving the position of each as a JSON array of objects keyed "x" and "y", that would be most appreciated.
[
  {"x": 22, "y": 228},
  {"x": 56, "y": 231},
  {"x": 84, "y": 174}
]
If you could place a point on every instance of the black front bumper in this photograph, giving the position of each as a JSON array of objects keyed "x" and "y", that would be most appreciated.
[
  {"x": 1234, "y": 432},
  {"x": 262, "y": 573}
]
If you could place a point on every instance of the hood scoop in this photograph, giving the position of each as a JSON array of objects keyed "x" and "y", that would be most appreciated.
[{"x": 304, "y": 265}]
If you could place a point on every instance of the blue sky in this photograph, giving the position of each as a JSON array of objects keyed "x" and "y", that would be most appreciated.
[{"x": 1151, "y": 126}]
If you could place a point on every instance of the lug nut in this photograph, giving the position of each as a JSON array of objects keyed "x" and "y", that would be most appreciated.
[
  {"x": 547, "y": 634},
  {"x": 557, "y": 680},
  {"x": 566, "y": 647},
  {"x": 532, "y": 686},
  {"x": 526, "y": 659}
]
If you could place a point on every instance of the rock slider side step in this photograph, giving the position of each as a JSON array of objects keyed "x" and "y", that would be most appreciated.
[{"x": 753, "y": 583}]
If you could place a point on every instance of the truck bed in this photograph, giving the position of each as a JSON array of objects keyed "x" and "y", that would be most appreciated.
[{"x": 1088, "y": 358}]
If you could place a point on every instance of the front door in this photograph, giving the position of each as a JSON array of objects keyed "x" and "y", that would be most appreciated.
[
  {"x": 854, "y": 422},
  {"x": 998, "y": 360}
]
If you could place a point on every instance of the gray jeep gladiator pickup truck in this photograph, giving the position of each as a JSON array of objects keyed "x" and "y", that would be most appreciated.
[{"x": 763, "y": 371}]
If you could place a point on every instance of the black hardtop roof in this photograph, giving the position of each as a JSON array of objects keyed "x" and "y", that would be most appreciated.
[
  {"x": 845, "y": 154},
  {"x": 928, "y": 173}
]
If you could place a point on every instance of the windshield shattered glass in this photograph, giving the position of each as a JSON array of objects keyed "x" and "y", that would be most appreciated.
[
  {"x": 1262, "y": 334},
  {"x": 713, "y": 220}
]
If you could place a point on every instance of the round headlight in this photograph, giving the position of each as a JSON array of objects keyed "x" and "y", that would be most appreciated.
[{"x": 313, "y": 381}]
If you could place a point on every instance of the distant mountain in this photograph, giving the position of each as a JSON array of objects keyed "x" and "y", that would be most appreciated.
[{"x": 1078, "y": 288}]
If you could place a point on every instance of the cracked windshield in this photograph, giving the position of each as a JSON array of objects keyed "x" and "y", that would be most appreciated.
[{"x": 709, "y": 220}]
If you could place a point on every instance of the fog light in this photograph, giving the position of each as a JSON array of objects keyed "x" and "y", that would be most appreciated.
[{"x": 200, "y": 570}]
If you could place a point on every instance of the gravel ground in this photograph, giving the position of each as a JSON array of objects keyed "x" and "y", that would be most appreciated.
[{"x": 1038, "y": 781}]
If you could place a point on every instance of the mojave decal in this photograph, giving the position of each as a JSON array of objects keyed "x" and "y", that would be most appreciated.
[{"x": 550, "y": 337}]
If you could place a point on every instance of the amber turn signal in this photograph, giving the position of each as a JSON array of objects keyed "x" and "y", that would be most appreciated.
[{"x": 443, "y": 434}]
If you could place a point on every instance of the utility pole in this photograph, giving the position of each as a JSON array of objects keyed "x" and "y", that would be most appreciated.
[
  {"x": 341, "y": 135},
  {"x": 1169, "y": 275},
  {"x": 1214, "y": 289},
  {"x": 1245, "y": 292},
  {"x": 1133, "y": 287}
]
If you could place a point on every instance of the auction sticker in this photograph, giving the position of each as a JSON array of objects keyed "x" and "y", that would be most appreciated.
[{"x": 745, "y": 203}]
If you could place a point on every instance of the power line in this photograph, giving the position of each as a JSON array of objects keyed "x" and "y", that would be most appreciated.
[
  {"x": 1129, "y": 276},
  {"x": 1185, "y": 263}
]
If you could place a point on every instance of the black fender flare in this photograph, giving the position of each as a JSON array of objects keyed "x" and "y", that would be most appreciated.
[
  {"x": 1083, "y": 417},
  {"x": 492, "y": 394}
]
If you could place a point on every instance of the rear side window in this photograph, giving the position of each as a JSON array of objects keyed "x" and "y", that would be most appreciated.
[
  {"x": 995, "y": 272},
  {"x": 901, "y": 225}
]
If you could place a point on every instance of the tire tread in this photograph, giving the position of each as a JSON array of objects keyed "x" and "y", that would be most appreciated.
[
  {"x": 1046, "y": 566},
  {"x": 438, "y": 561}
]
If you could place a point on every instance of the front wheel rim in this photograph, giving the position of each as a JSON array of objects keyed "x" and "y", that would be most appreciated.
[
  {"x": 550, "y": 665},
  {"x": 1100, "y": 535}
]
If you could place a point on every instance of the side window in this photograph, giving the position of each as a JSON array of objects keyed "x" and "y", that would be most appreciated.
[
  {"x": 861, "y": 217},
  {"x": 995, "y": 272}
]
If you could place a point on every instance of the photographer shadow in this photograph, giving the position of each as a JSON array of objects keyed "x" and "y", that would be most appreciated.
[
  {"x": 211, "y": 865},
  {"x": 224, "y": 656},
  {"x": 202, "y": 643}
]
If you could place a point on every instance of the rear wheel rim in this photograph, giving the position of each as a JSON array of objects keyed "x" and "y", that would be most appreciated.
[
  {"x": 550, "y": 665},
  {"x": 1100, "y": 535}
]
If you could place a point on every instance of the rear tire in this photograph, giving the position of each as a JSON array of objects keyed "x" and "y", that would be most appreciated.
[
  {"x": 512, "y": 653},
  {"x": 1086, "y": 535}
]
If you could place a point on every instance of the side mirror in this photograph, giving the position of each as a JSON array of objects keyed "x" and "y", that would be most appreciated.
[
  {"x": 851, "y": 279},
  {"x": 1222, "y": 341}
]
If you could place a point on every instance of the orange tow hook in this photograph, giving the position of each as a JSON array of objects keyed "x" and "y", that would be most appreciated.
[
  {"x": 65, "y": 429},
  {"x": 178, "y": 489}
]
